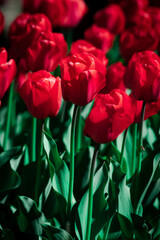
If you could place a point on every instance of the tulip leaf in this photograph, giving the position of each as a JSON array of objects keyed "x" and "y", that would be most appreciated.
[
  {"x": 100, "y": 177},
  {"x": 152, "y": 193},
  {"x": 54, "y": 204},
  {"x": 29, "y": 218},
  {"x": 126, "y": 226},
  {"x": 9, "y": 154},
  {"x": 7, "y": 235},
  {"x": 52, "y": 151},
  {"x": 82, "y": 164},
  {"x": 156, "y": 232},
  {"x": 54, "y": 233},
  {"x": 140, "y": 228},
  {"x": 28, "y": 178},
  {"x": 9, "y": 179},
  {"x": 144, "y": 178},
  {"x": 114, "y": 55},
  {"x": 59, "y": 172},
  {"x": 124, "y": 200}
]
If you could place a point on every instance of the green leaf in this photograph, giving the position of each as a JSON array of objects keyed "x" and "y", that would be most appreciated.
[
  {"x": 54, "y": 204},
  {"x": 156, "y": 232},
  {"x": 9, "y": 179},
  {"x": 126, "y": 226},
  {"x": 144, "y": 178},
  {"x": 82, "y": 164},
  {"x": 59, "y": 172},
  {"x": 140, "y": 228},
  {"x": 7, "y": 235},
  {"x": 28, "y": 178},
  {"x": 100, "y": 177},
  {"x": 54, "y": 233},
  {"x": 52, "y": 151},
  {"x": 114, "y": 55},
  {"x": 9, "y": 154},
  {"x": 152, "y": 193},
  {"x": 124, "y": 200},
  {"x": 29, "y": 218}
]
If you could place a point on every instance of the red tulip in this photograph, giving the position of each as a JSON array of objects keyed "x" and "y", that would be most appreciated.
[
  {"x": 31, "y": 6},
  {"x": 80, "y": 46},
  {"x": 46, "y": 52},
  {"x": 112, "y": 18},
  {"x": 83, "y": 76},
  {"x": 115, "y": 77},
  {"x": 42, "y": 94},
  {"x": 7, "y": 72},
  {"x": 155, "y": 17},
  {"x": 151, "y": 109},
  {"x": 143, "y": 76},
  {"x": 99, "y": 37},
  {"x": 24, "y": 29},
  {"x": 1, "y": 22},
  {"x": 136, "y": 39},
  {"x": 64, "y": 13},
  {"x": 142, "y": 19},
  {"x": 111, "y": 114},
  {"x": 131, "y": 7}
]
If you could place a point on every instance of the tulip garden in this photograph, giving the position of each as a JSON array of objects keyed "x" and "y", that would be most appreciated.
[{"x": 79, "y": 120}]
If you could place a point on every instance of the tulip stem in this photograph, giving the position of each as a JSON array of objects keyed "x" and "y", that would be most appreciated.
[
  {"x": 134, "y": 148},
  {"x": 123, "y": 145},
  {"x": 8, "y": 124},
  {"x": 39, "y": 159},
  {"x": 34, "y": 126},
  {"x": 90, "y": 199},
  {"x": 64, "y": 105},
  {"x": 78, "y": 130},
  {"x": 140, "y": 145},
  {"x": 72, "y": 148}
]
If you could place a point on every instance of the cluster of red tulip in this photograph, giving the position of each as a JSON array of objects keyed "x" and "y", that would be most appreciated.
[
  {"x": 35, "y": 52},
  {"x": 83, "y": 72}
]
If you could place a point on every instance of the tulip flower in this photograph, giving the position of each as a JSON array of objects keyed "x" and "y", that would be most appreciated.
[
  {"x": 7, "y": 71},
  {"x": 115, "y": 77},
  {"x": 143, "y": 76},
  {"x": 99, "y": 37},
  {"x": 83, "y": 76},
  {"x": 137, "y": 39},
  {"x": 81, "y": 45},
  {"x": 24, "y": 29},
  {"x": 46, "y": 52},
  {"x": 152, "y": 108},
  {"x": 64, "y": 13},
  {"x": 42, "y": 94},
  {"x": 111, "y": 114},
  {"x": 112, "y": 18}
]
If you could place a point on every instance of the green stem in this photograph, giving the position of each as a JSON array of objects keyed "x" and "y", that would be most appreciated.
[
  {"x": 140, "y": 145},
  {"x": 39, "y": 160},
  {"x": 123, "y": 145},
  {"x": 90, "y": 200},
  {"x": 34, "y": 126},
  {"x": 78, "y": 130},
  {"x": 8, "y": 115},
  {"x": 69, "y": 38},
  {"x": 64, "y": 105},
  {"x": 134, "y": 148},
  {"x": 107, "y": 228},
  {"x": 72, "y": 148},
  {"x": 68, "y": 35}
]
